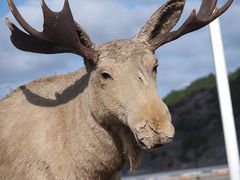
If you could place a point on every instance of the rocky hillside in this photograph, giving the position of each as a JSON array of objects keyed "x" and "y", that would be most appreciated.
[{"x": 199, "y": 137}]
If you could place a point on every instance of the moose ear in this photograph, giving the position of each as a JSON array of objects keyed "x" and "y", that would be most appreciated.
[{"x": 162, "y": 21}]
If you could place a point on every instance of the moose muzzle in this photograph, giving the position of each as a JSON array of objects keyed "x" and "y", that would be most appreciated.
[
  {"x": 152, "y": 126},
  {"x": 149, "y": 138}
]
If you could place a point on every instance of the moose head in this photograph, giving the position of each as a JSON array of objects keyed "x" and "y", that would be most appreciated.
[{"x": 122, "y": 73}]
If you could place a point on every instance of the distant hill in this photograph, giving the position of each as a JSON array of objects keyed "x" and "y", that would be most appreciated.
[{"x": 199, "y": 137}]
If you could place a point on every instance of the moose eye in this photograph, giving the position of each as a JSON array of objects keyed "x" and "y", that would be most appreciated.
[
  {"x": 105, "y": 75},
  {"x": 155, "y": 68}
]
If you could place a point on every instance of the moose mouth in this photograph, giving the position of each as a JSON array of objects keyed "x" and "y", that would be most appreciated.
[
  {"x": 144, "y": 146},
  {"x": 148, "y": 139},
  {"x": 147, "y": 144}
]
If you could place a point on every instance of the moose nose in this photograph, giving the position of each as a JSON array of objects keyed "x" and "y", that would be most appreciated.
[
  {"x": 150, "y": 138},
  {"x": 163, "y": 142}
]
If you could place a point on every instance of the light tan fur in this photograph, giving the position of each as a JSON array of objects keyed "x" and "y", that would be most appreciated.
[
  {"x": 80, "y": 126},
  {"x": 86, "y": 125}
]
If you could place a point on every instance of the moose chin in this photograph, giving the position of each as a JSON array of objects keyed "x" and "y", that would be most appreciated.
[{"x": 88, "y": 124}]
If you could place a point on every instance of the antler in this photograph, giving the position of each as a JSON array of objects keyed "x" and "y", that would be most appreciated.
[
  {"x": 60, "y": 34},
  {"x": 207, "y": 13}
]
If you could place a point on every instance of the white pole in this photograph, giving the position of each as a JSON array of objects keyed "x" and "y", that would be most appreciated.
[{"x": 225, "y": 102}]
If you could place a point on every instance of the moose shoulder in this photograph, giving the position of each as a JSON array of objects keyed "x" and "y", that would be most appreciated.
[{"x": 89, "y": 123}]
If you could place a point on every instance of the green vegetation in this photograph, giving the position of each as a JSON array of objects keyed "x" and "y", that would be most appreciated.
[
  {"x": 201, "y": 84},
  {"x": 200, "y": 122},
  {"x": 235, "y": 91},
  {"x": 234, "y": 76}
]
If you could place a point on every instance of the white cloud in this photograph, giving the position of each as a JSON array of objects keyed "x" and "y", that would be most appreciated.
[{"x": 180, "y": 62}]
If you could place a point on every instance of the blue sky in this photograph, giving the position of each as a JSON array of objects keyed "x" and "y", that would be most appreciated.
[
  {"x": 181, "y": 61},
  {"x": 4, "y": 7}
]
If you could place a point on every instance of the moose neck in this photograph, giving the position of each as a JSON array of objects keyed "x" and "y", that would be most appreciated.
[{"x": 102, "y": 150}]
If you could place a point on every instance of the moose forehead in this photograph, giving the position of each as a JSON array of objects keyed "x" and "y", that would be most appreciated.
[{"x": 126, "y": 51}]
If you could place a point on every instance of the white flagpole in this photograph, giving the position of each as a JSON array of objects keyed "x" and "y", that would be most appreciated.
[{"x": 225, "y": 102}]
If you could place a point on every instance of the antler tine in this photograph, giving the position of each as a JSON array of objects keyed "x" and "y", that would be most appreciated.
[
  {"x": 207, "y": 13},
  {"x": 59, "y": 35},
  {"x": 207, "y": 7},
  {"x": 212, "y": 10},
  {"x": 21, "y": 21},
  {"x": 60, "y": 20},
  {"x": 45, "y": 8},
  {"x": 71, "y": 35},
  {"x": 48, "y": 12}
]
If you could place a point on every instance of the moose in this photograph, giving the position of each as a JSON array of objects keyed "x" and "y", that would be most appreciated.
[{"x": 88, "y": 124}]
